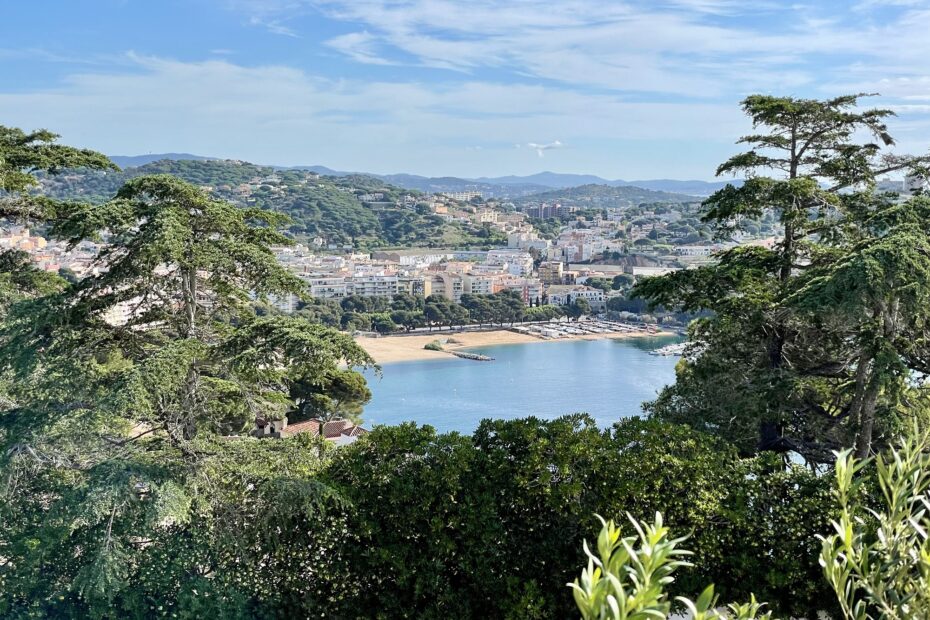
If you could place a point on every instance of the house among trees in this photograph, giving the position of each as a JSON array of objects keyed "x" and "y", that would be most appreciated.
[{"x": 340, "y": 431}]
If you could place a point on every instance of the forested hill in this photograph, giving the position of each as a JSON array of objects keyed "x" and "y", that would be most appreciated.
[
  {"x": 356, "y": 210},
  {"x": 606, "y": 196}
]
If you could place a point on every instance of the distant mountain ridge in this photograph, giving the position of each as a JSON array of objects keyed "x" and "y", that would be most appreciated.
[
  {"x": 134, "y": 161},
  {"x": 510, "y": 186},
  {"x": 548, "y": 179}
]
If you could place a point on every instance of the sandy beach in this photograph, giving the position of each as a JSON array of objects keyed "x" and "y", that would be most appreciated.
[{"x": 402, "y": 348}]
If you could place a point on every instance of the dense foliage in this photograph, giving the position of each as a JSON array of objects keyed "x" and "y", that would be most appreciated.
[
  {"x": 117, "y": 386},
  {"x": 409, "y": 523}
]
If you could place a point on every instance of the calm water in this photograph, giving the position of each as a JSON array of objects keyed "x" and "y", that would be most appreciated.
[{"x": 608, "y": 379}]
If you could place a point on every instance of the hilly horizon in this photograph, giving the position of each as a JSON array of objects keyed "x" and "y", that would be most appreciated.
[{"x": 503, "y": 186}]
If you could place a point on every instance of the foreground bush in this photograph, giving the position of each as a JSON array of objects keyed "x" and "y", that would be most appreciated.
[
  {"x": 410, "y": 523},
  {"x": 628, "y": 578}
]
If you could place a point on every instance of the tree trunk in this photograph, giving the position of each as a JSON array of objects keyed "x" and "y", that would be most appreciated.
[
  {"x": 777, "y": 344},
  {"x": 886, "y": 314},
  {"x": 189, "y": 284},
  {"x": 787, "y": 253},
  {"x": 867, "y": 420},
  {"x": 189, "y": 400}
]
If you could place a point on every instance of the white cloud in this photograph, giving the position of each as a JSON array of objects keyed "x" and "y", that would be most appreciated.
[
  {"x": 647, "y": 84},
  {"x": 276, "y": 114},
  {"x": 359, "y": 46},
  {"x": 542, "y": 148}
]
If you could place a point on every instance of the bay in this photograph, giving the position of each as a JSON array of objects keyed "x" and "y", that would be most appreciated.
[{"x": 608, "y": 378}]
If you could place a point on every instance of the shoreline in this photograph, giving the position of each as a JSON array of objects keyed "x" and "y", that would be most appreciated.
[{"x": 404, "y": 348}]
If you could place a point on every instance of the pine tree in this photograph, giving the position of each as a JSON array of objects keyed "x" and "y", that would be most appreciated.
[{"x": 761, "y": 372}]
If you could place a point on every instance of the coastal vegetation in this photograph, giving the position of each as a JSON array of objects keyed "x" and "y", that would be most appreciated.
[
  {"x": 408, "y": 312},
  {"x": 130, "y": 487}
]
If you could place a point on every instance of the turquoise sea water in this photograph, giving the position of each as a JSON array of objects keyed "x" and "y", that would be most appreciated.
[{"x": 608, "y": 379}]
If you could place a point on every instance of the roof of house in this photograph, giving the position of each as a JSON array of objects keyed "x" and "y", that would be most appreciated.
[
  {"x": 309, "y": 426},
  {"x": 330, "y": 430},
  {"x": 355, "y": 431},
  {"x": 334, "y": 428}
]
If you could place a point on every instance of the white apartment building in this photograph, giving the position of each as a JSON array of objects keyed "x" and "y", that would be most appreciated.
[
  {"x": 530, "y": 289},
  {"x": 695, "y": 250},
  {"x": 462, "y": 196},
  {"x": 413, "y": 258},
  {"x": 567, "y": 294},
  {"x": 487, "y": 216},
  {"x": 515, "y": 239},
  {"x": 517, "y": 262},
  {"x": 571, "y": 253},
  {"x": 284, "y": 303},
  {"x": 480, "y": 285},
  {"x": 374, "y": 285},
  {"x": 648, "y": 272},
  {"x": 488, "y": 269},
  {"x": 331, "y": 287}
]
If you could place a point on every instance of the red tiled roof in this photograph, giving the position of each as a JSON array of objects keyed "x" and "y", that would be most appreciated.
[
  {"x": 334, "y": 428},
  {"x": 309, "y": 426}
]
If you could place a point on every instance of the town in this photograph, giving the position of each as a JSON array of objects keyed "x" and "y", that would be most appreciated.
[{"x": 584, "y": 248}]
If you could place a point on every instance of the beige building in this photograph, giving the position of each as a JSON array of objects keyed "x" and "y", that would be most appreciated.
[
  {"x": 551, "y": 272},
  {"x": 449, "y": 285}
]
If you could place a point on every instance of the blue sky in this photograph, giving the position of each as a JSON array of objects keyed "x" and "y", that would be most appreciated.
[{"x": 635, "y": 89}]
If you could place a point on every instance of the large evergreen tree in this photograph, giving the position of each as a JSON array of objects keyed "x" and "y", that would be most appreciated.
[
  {"x": 124, "y": 381},
  {"x": 762, "y": 371},
  {"x": 22, "y": 155}
]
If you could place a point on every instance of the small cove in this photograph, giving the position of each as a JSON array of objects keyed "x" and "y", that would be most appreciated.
[{"x": 607, "y": 378}]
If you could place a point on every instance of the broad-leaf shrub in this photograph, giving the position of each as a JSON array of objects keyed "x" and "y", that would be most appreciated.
[
  {"x": 878, "y": 559},
  {"x": 628, "y": 578}
]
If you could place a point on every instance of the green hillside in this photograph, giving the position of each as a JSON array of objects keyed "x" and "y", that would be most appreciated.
[
  {"x": 355, "y": 210},
  {"x": 606, "y": 196}
]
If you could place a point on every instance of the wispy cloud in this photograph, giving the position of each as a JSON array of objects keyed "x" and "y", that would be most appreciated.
[
  {"x": 617, "y": 46},
  {"x": 694, "y": 48},
  {"x": 360, "y": 47},
  {"x": 272, "y": 25}
]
